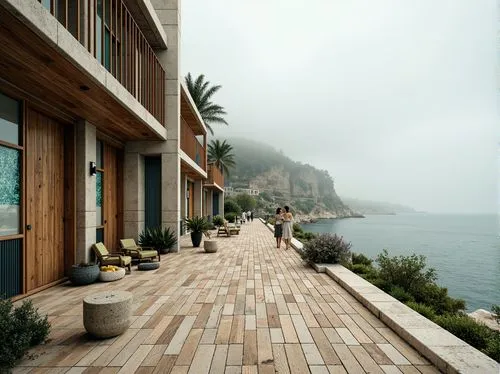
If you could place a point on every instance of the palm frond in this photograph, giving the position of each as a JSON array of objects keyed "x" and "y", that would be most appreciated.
[{"x": 201, "y": 92}]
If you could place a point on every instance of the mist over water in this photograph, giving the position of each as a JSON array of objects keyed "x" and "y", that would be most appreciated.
[{"x": 464, "y": 249}]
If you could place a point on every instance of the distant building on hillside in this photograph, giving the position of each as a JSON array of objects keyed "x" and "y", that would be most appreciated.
[{"x": 230, "y": 191}]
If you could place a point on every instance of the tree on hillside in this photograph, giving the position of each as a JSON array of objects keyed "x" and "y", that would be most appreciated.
[
  {"x": 222, "y": 155},
  {"x": 246, "y": 202},
  {"x": 202, "y": 92}
]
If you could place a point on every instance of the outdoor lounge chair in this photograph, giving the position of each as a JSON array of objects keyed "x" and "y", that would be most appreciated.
[
  {"x": 228, "y": 230},
  {"x": 108, "y": 258},
  {"x": 138, "y": 253}
]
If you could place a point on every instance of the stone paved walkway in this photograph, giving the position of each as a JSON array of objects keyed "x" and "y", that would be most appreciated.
[{"x": 249, "y": 308}]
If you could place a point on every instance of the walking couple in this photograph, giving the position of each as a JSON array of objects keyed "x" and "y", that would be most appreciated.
[{"x": 283, "y": 227}]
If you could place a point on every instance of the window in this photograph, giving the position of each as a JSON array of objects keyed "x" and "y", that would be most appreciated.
[
  {"x": 46, "y": 4},
  {"x": 10, "y": 166},
  {"x": 99, "y": 183},
  {"x": 98, "y": 31},
  {"x": 10, "y": 118}
]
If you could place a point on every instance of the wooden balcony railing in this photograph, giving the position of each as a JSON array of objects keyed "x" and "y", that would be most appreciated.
[
  {"x": 108, "y": 31},
  {"x": 192, "y": 146},
  {"x": 215, "y": 175}
]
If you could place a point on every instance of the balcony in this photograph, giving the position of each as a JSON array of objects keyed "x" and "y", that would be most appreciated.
[
  {"x": 192, "y": 145},
  {"x": 215, "y": 178},
  {"x": 109, "y": 32},
  {"x": 193, "y": 138}
]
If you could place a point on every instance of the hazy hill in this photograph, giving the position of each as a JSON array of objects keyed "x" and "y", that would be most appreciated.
[
  {"x": 376, "y": 207},
  {"x": 281, "y": 180}
]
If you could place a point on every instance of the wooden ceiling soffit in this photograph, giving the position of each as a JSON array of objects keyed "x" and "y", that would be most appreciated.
[{"x": 33, "y": 66}]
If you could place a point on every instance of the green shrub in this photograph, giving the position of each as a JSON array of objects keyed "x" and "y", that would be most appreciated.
[
  {"x": 400, "y": 294},
  {"x": 407, "y": 272},
  {"x": 495, "y": 310},
  {"x": 230, "y": 217},
  {"x": 20, "y": 329},
  {"x": 437, "y": 297},
  {"x": 360, "y": 268},
  {"x": 361, "y": 259},
  {"x": 493, "y": 347},
  {"x": 297, "y": 229},
  {"x": 425, "y": 310},
  {"x": 218, "y": 221},
  {"x": 327, "y": 248},
  {"x": 464, "y": 327}
]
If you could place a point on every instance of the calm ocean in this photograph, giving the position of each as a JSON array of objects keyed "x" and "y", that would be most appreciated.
[{"x": 464, "y": 249}]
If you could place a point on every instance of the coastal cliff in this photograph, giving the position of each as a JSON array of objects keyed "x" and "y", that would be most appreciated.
[{"x": 310, "y": 192}]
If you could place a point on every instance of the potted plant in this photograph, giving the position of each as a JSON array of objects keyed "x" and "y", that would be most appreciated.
[
  {"x": 198, "y": 226},
  {"x": 84, "y": 273},
  {"x": 161, "y": 239}
]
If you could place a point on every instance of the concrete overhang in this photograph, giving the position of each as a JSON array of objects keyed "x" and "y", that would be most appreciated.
[
  {"x": 214, "y": 186},
  {"x": 188, "y": 166},
  {"x": 190, "y": 112},
  {"x": 42, "y": 59},
  {"x": 146, "y": 18}
]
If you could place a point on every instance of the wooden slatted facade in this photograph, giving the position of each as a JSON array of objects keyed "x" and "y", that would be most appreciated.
[{"x": 112, "y": 36}]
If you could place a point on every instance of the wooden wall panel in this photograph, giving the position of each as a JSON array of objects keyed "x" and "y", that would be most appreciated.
[
  {"x": 69, "y": 198},
  {"x": 113, "y": 197},
  {"x": 44, "y": 205}
]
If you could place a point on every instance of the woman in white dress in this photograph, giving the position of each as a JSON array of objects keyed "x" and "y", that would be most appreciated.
[{"x": 287, "y": 227}]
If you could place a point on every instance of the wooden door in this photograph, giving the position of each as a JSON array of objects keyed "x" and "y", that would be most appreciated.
[
  {"x": 44, "y": 200},
  {"x": 113, "y": 197}
]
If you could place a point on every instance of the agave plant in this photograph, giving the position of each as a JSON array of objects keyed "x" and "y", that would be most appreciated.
[
  {"x": 197, "y": 224},
  {"x": 161, "y": 239}
]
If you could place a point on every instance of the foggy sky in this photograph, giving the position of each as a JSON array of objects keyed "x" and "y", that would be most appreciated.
[{"x": 395, "y": 98}]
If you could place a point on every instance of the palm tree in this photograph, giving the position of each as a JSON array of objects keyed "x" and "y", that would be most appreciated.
[
  {"x": 221, "y": 154},
  {"x": 201, "y": 94}
]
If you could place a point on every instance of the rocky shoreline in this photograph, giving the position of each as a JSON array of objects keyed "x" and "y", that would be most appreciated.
[
  {"x": 483, "y": 316},
  {"x": 312, "y": 218}
]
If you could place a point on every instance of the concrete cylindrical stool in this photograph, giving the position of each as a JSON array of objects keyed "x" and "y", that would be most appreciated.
[
  {"x": 210, "y": 246},
  {"x": 107, "y": 314}
]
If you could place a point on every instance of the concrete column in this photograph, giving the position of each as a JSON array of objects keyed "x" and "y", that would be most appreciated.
[
  {"x": 198, "y": 198},
  {"x": 170, "y": 193},
  {"x": 85, "y": 191},
  {"x": 221, "y": 204},
  {"x": 183, "y": 201},
  {"x": 168, "y": 12},
  {"x": 209, "y": 204},
  {"x": 133, "y": 192}
]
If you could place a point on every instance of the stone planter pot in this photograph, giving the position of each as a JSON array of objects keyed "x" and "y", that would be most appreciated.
[
  {"x": 82, "y": 275},
  {"x": 196, "y": 238},
  {"x": 110, "y": 276},
  {"x": 210, "y": 246}
]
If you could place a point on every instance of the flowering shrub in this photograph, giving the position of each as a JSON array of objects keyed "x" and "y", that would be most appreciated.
[{"x": 327, "y": 249}]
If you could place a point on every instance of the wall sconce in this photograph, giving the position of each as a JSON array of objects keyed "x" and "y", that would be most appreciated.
[{"x": 93, "y": 168}]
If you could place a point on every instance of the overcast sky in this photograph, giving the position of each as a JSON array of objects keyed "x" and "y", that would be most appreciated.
[{"x": 395, "y": 98}]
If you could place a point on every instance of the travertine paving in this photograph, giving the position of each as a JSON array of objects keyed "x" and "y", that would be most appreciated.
[{"x": 249, "y": 308}]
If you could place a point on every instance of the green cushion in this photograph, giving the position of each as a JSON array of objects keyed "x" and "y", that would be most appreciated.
[
  {"x": 147, "y": 254},
  {"x": 128, "y": 243},
  {"x": 100, "y": 250},
  {"x": 126, "y": 260}
]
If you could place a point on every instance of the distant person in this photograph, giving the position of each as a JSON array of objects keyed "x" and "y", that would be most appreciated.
[
  {"x": 251, "y": 216},
  {"x": 287, "y": 227},
  {"x": 243, "y": 217},
  {"x": 278, "y": 227}
]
